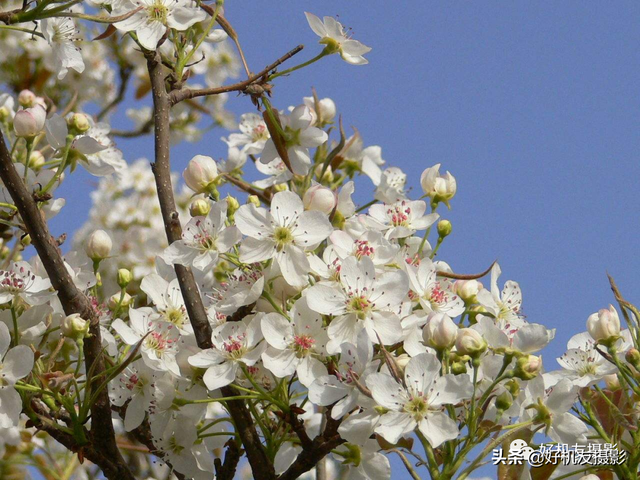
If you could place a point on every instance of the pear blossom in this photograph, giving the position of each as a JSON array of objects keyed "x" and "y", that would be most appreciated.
[
  {"x": 440, "y": 188},
  {"x": 253, "y": 134},
  {"x": 159, "y": 339},
  {"x": 233, "y": 343},
  {"x": 420, "y": 401},
  {"x": 433, "y": 293},
  {"x": 203, "y": 238},
  {"x": 296, "y": 345},
  {"x": 341, "y": 388},
  {"x": 19, "y": 281},
  {"x": 61, "y": 33},
  {"x": 153, "y": 18},
  {"x": 506, "y": 306},
  {"x": 284, "y": 234},
  {"x": 15, "y": 363},
  {"x": 362, "y": 300},
  {"x": 168, "y": 301},
  {"x": 581, "y": 364},
  {"x": 555, "y": 403},
  {"x": 300, "y": 135},
  {"x": 136, "y": 385},
  {"x": 403, "y": 218},
  {"x": 333, "y": 35}
]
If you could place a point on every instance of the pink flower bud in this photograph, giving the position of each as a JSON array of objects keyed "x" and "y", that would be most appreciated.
[
  {"x": 29, "y": 122},
  {"x": 320, "y": 198},
  {"x": 26, "y": 98}
]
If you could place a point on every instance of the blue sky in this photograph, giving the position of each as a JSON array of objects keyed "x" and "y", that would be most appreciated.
[{"x": 533, "y": 106}]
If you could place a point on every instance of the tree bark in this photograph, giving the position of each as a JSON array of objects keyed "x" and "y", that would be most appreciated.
[{"x": 102, "y": 434}]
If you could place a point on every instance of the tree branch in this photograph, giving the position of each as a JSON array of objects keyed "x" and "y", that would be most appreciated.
[
  {"x": 259, "y": 78},
  {"x": 260, "y": 464},
  {"x": 73, "y": 301},
  {"x": 319, "y": 448}
]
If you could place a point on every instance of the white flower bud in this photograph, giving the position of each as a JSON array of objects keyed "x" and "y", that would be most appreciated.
[
  {"x": 26, "y": 98},
  {"x": 440, "y": 188},
  {"x": 604, "y": 325},
  {"x": 470, "y": 342},
  {"x": 36, "y": 160},
  {"x": 320, "y": 198},
  {"x": 75, "y": 326},
  {"x": 200, "y": 208},
  {"x": 467, "y": 289},
  {"x": 200, "y": 174},
  {"x": 79, "y": 122},
  {"x": 590, "y": 476},
  {"x": 99, "y": 245},
  {"x": 114, "y": 301},
  {"x": 612, "y": 381},
  {"x": 440, "y": 332},
  {"x": 29, "y": 122}
]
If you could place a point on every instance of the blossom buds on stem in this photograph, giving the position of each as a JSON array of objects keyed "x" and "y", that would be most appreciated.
[{"x": 604, "y": 326}]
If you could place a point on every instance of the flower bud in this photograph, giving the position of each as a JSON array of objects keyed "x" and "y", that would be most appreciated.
[
  {"x": 612, "y": 381},
  {"x": 124, "y": 277},
  {"x": 320, "y": 198},
  {"x": 444, "y": 228},
  {"x": 590, "y": 476},
  {"x": 232, "y": 206},
  {"x": 253, "y": 199},
  {"x": 458, "y": 368},
  {"x": 402, "y": 360},
  {"x": 633, "y": 357},
  {"x": 201, "y": 174},
  {"x": 467, "y": 289},
  {"x": 440, "y": 332},
  {"x": 470, "y": 342},
  {"x": 504, "y": 401},
  {"x": 79, "y": 122},
  {"x": 114, "y": 301},
  {"x": 75, "y": 327},
  {"x": 328, "y": 176},
  {"x": 281, "y": 187},
  {"x": 513, "y": 386},
  {"x": 99, "y": 245},
  {"x": 29, "y": 122},
  {"x": 200, "y": 208},
  {"x": 25, "y": 241},
  {"x": 36, "y": 160},
  {"x": 440, "y": 188},
  {"x": 527, "y": 367},
  {"x": 604, "y": 326},
  {"x": 26, "y": 98}
]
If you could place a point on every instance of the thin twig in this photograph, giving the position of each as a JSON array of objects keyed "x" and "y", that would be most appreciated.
[{"x": 180, "y": 95}]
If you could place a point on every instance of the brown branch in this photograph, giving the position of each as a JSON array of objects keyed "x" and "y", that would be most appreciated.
[
  {"x": 260, "y": 464},
  {"x": 248, "y": 188},
  {"x": 73, "y": 301},
  {"x": 180, "y": 95},
  {"x": 458, "y": 276},
  {"x": 312, "y": 454},
  {"x": 227, "y": 470},
  {"x": 7, "y": 17}
]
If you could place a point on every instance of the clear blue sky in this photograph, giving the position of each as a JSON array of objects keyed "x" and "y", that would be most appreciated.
[{"x": 533, "y": 106}]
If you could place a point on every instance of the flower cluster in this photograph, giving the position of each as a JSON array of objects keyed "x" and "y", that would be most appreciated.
[{"x": 281, "y": 317}]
